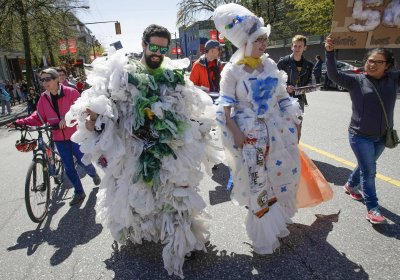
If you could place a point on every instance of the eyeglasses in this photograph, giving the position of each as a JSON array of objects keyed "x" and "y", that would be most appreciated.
[
  {"x": 155, "y": 48},
  {"x": 375, "y": 62},
  {"x": 46, "y": 79},
  {"x": 261, "y": 40}
]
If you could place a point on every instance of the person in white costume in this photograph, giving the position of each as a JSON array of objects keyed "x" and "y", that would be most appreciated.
[
  {"x": 259, "y": 122},
  {"x": 149, "y": 128}
]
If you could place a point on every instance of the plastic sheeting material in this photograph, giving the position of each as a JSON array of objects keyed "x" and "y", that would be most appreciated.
[{"x": 313, "y": 187}]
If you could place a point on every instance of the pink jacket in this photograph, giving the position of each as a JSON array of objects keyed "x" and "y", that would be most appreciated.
[{"x": 45, "y": 112}]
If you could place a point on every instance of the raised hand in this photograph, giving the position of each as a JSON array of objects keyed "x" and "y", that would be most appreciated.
[
  {"x": 329, "y": 43},
  {"x": 90, "y": 123}
]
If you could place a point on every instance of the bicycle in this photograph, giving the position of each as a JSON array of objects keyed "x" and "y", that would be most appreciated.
[{"x": 46, "y": 163}]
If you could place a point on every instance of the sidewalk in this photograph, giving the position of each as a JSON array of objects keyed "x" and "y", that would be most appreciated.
[{"x": 18, "y": 111}]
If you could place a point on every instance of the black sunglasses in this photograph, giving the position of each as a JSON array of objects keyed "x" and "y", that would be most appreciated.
[{"x": 46, "y": 79}]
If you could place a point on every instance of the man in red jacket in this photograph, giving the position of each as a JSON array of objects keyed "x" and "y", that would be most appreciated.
[
  {"x": 52, "y": 106},
  {"x": 206, "y": 71}
]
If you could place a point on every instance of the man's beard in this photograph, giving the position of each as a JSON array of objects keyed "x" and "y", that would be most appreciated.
[{"x": 153, "y": 64}]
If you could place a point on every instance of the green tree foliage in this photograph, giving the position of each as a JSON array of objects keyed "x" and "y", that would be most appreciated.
[
  {"x": 287, "y": 17},
  {"x": 35, "y": 26},
  {"x": 311, "y": 16}
]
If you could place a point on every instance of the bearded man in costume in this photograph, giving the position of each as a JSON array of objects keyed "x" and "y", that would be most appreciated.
[{"x": 146, "y": 124}]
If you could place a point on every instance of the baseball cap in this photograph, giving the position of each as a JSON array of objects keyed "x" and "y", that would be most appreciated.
[{"x": 211, "y": 44}]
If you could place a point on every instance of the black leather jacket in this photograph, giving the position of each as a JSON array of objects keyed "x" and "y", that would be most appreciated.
[{"x": 295, "y": 78}]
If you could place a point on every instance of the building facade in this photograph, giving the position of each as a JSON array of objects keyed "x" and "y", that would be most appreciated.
[
  {"x": 194, "y": 37},
  {"x": 11, "y": 65}
]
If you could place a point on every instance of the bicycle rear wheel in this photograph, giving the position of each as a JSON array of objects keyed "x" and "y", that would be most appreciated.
[{"x": 37, "y": 190}]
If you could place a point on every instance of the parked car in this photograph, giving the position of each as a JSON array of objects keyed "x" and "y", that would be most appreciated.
[{"x": 346, "y": 66}]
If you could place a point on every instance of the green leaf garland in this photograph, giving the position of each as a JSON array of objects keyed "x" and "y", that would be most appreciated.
[{"x": 156, "y": 133}]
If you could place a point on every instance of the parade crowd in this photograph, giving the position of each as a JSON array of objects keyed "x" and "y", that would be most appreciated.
[{"x": 155, "y": 131}]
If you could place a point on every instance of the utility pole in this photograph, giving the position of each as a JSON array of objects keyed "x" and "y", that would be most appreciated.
[
  {"x": 94, "y": 51},
  {"x": 176, "y": 46}
]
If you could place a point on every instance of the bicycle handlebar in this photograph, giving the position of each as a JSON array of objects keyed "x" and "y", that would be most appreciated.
[{"x": 47, "y": 127}]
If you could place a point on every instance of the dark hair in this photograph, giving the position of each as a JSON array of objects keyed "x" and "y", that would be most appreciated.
[
  {"x": 61, "y": 69},
  {"x": 388, "y": 54},
  {"x": 156, "y": 30}
]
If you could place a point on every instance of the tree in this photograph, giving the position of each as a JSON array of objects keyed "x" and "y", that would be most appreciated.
[
  {"x": 189, "y": 10},
  {"x": 23, "y": 17},
  {"x": 311, "y": 16}
]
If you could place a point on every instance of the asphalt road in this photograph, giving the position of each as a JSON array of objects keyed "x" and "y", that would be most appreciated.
[{"x": 330, "y": 241}]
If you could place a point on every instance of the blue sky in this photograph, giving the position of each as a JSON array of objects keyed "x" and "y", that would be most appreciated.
[{"x": 134, "y": 16}]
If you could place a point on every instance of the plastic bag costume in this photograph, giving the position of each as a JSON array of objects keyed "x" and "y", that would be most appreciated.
[
  {"x": 266, "y": 170},
  {"x": 154, "y": 136}
]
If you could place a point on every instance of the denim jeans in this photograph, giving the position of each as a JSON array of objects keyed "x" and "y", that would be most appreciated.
[
  {"x": 5, "y": 104},
  {"x": 67, "y": 151},
  {"x": 367, "y": 151}
]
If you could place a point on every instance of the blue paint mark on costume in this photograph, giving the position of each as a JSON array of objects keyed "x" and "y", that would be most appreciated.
[
  {"x": 294, "y": 171},
  {"x": 220, "y": 121},
  {"x": 278, "y": 163},
  {"x": 262, "y": 92},
  {"x": 283, "y": 189},
  {"x": 226, "y": 100},
  {"x": 245, "y": 86},
  {"x": 291, "y": 130},
  {"x": 237, "y": 20}
]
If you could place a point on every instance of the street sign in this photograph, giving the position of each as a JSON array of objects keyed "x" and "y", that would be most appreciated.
[
  {"x": 176, "y": 50},
  {"x": 213, "y": 36},
  {"x": 71, "y": 45}
]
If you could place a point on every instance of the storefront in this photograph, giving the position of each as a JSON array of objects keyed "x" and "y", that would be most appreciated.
[{"x": 11, "y": 65}]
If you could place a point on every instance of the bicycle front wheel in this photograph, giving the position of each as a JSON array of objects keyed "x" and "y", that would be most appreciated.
[
  {"x": 37, "y": 190},
  {"x": 59, "y": 169}
]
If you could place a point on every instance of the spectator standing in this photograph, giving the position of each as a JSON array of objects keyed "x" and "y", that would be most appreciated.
[
  {"x": 62, "y": 76},
  {"x": 9, "y": 88},
  {"x": 53, "y": 104},
  {"x": 317, "y": 71},
  {"x": 5, "y": 100},
  {"x": 80, "y": 86},
  {"x": 31, "y": 100},
  {"x": 16, "y": 91},
  {"x": 72, "y": 80},
  {"x": 206, "y": 71},
  {"x": 367, "y": 127},
  {"x": 24, "y": 89},
  {"x": 298, "y": 68}
]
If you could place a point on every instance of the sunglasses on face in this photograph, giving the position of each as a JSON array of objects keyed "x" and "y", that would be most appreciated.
[
  {"x": 46, "y": 79},
  {"x": 155, "y": 48}
]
